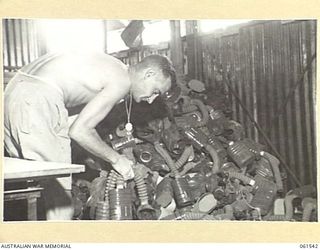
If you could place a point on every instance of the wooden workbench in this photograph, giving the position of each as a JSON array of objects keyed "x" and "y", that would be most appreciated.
[{"x": 17, "y": 170}]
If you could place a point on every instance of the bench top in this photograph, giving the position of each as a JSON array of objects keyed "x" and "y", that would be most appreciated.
[{"x": 15, "y": 169}]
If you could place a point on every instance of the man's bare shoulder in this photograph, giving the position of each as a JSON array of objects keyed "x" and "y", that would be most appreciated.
[
  {"x": 100, "y": 67},
  {"x": 84, "y": 75},
  {"x": 111, "y": 67},
  {"x": 98, "y": 59},
  {"x": 116, "y": 70}
]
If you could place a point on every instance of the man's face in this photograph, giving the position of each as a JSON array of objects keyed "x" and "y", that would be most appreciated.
[{"x": 148, "y": 84}]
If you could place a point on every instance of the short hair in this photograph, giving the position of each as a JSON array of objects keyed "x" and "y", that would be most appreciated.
[{"x": 161, "y": 62}]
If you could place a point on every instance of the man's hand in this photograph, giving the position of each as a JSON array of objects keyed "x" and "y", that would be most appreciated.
[{"x": 124, "y": 167}]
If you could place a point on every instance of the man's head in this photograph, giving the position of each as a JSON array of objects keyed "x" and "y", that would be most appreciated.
[{"x": 151, "y": 77}]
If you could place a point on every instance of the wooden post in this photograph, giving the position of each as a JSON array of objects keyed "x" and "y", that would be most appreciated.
[
  {"x": 32, "y": 208},
  {"x": 176, "y": 47},
  {"x": 194, "y": 51}
]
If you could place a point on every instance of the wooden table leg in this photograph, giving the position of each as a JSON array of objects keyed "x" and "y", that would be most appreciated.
[{"x": 32, "y": 208}]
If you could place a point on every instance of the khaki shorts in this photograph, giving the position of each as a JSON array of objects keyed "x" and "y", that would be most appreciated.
[{"x": 35, "y": 121}]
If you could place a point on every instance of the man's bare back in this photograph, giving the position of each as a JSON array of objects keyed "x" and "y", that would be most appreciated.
[{"x": 79, "y": 76}]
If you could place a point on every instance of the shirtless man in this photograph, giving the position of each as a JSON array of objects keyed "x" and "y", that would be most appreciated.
[{"x": 36, "y": 116}]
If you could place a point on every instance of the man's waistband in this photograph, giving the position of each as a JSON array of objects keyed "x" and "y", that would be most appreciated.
[{"x": 20, "y": 76}]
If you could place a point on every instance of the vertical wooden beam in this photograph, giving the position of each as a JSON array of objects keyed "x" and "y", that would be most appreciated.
[
  {"x": 288, "y": 64},
  {"x": 176, "y": 47},
  {"x": 194, "y": 51},
  {"x": 278, "y": 78},
  {"x": 254, "y": 76},
  {"x": 32, "y": 208},
  {"x": 298, "y": 117},
  {"x": 245, "y": 42},
  {"x": 313, "y": 82},
  {"x": 310, "y": 89},
  {"x": 198, "y": 52},
  {"x": 237, "y": 74},
  {"x": 190, "y": 48}
]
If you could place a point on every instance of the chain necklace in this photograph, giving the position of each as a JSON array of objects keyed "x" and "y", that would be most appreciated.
[{"x": 128, "y": 126}]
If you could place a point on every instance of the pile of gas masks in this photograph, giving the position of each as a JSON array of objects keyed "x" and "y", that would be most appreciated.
[{"x": 194, "y": 164}]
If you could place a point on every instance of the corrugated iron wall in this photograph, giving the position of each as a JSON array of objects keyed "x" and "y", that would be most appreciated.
[
  {"x": 20, "y": 43},
  {"x": 266, "y": 60},
  {"x": 131, "y": 57}
]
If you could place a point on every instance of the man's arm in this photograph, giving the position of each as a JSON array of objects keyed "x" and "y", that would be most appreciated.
[{"x": 83, "y": 129}]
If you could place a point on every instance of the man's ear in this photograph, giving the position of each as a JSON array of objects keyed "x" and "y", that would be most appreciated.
[{"x": 149, "y": 73}]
